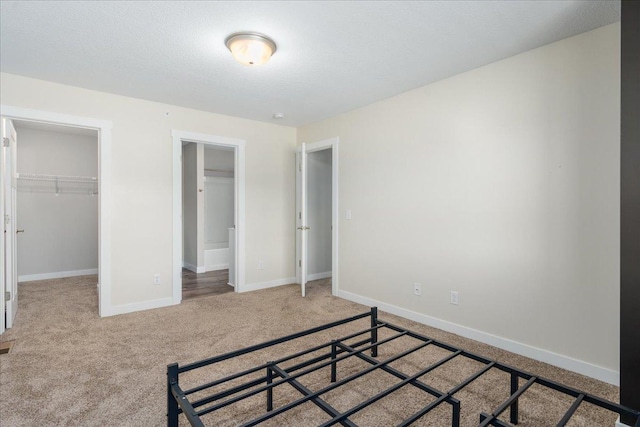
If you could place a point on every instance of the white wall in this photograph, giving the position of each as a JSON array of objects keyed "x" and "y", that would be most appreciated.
[
  {"x": 319, "y": 212},
  {"x": 218, "y": 211},
  {"x": 141, "y": 174},
  {"x": 190, "y": 205},
  {"x": 501, "y": 183},
  {"x": 61, "y": 232}
]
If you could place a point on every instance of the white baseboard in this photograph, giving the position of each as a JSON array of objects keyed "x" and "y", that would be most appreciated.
[
  {"x": 138, "y": 306},
  {"x": 191, "y": 267},
  {"x": 318, "y": 276},
  {"x": 57, "y": 275},
  {"x": 216, "y": 259},
  {"x": 565, "y": 362},
  {"x": 217, "y": 267},
  {"x": 270, "y": 284}
]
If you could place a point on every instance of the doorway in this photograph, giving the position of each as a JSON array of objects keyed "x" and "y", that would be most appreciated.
[
  {"x": 36, "y": 183},
  {"x": 208, "y": 220},
  {"x": 208, "y": 213},
  {"x": 317, "y": 214},
  {"x": 53, "y": 199}
]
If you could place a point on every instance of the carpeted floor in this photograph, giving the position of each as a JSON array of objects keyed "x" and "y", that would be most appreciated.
[{"x": 69, "y": 367}]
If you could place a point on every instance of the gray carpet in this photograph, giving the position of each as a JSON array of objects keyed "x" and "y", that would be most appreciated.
[{"x": 69, "y": 367}]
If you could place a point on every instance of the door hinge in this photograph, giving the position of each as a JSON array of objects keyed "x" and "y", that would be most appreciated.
[
  {"x": 299, "y": 215},
  {"x": 299, "y": 263},
  {"x": 299, "y": 165},
  {"x": 7, "y": 296},
  {"x": 5, "y": 142}
]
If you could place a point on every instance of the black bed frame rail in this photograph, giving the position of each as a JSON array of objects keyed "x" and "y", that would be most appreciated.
[{"x": 337, "y": 350}]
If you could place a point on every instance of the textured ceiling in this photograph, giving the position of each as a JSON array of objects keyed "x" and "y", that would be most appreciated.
[{"x": 332, "y": 56}]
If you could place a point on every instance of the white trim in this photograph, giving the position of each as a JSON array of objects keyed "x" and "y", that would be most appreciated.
[
  {"x": 139, "y": 306},
  {"x": 269, "y": 284},
  {"x": 304, "y": 242},
  {"x": 2, "y": 236},
  {"x": 585, "y": 368},
  {"x": 239, "y": 146},
  {"x": 334, "y": 144},
  {"x": 216, "y": 267},
  {"x": 193, "y": 268},
  {"x": 318, "y": 276},
  {"x": 335, "y": 221},
  {"x": 57, "y": 275},
  {"x": 204, "y": 138},
  {"x": 104, "y": 182}
]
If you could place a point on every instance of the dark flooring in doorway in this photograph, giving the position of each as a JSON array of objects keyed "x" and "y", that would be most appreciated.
[{"x": 204, "y": 284}]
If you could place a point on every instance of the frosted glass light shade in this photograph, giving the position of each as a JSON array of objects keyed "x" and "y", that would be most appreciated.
[{"x": 250, "y": 48}]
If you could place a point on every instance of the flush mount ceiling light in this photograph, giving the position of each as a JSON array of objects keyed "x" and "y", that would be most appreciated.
[{"x": 250, "y": 48}]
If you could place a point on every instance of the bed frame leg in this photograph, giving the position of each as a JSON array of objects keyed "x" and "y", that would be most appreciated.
[
  {"x": 172, "y": 405},
  {"x": 513, "y": 417},
  {"x": 270, "y": 389},
  {"x": 455, "y": 416},
  {"x": 333, "y": 365},
  {"x": 374, "y": 332}
]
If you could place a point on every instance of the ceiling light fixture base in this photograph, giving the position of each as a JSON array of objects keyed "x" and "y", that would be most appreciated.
[{"x": 250, "y": 48}]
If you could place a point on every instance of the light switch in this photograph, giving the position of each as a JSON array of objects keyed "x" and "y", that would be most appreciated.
[{"x": 348, "y": 214}]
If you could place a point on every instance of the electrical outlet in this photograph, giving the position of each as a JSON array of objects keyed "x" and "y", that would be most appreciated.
[
  {"x": 156, "y": 279},
  {"x": 417, "y": 289},
  {"x": 454, "y": 297},
  {"x": 260, "y": 265}
]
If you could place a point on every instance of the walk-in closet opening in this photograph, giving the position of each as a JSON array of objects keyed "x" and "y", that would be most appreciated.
[
  {"x": 208, "y": 212},
  {"x": 56, "y": 205}
]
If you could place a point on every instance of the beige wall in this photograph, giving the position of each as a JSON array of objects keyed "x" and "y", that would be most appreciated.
[
  {"x": 142, "y": 182},
  {"x": 501, "y": 183}
]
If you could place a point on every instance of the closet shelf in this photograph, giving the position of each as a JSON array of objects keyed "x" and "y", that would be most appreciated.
[{"x": 58, "y": 184}]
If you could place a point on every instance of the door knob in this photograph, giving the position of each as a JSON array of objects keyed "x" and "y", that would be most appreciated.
[
  {"x": 19, "y": 231},
  {"x": 304, "y": 228}
]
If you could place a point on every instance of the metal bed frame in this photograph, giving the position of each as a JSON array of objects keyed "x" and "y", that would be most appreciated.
[{"x": 336, "y": 351}]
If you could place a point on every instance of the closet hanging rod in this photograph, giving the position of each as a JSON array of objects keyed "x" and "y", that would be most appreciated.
[
  {"x": 56, "y": 178},
  {"x": 219, "y": 170}
]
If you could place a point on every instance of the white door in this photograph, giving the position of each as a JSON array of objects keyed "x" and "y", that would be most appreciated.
[
  {"x": 2, "y": 231},
  {"x": 10, "y": 230},
  {"x": 301, "y": 218}
]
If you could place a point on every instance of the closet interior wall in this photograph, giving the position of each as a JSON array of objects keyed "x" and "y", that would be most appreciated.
[
  {"x": 319, "y": 210},
  {"x": 57, "y": 201}
]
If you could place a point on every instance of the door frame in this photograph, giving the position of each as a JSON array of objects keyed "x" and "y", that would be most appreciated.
[
  {"x": 10, "y": 306},
  {"x": 333, "y": 144},
  {"x": 104, "y": 187},
  {"x": 239, "y": 173},
  {"x": 2, "y": 242}
]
